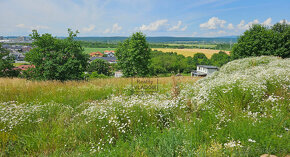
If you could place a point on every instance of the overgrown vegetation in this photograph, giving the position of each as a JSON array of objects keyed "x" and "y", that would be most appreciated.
[
  {"x": 100, "y": 66},
  {"x": 242, "y": 110}
]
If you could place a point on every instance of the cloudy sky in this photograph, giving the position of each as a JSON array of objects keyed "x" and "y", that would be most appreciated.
[{"x": 198, "y": 18}]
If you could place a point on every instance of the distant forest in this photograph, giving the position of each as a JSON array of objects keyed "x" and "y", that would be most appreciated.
[{"x": 180, "y": 40}]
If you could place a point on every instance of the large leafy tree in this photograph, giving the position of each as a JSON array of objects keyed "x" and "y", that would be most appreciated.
[
  {"x": 219, "y": 59},
  {"x": 134, "y": 55},
  {"x": 6, "y": 64},
  {"x": 261, "y": 40},
  {"x": 281, "y": 39},
  {"x": 56, "y": 59},
  {"x": 100, "y": 66},
  {"x": 200, "y": 59}
]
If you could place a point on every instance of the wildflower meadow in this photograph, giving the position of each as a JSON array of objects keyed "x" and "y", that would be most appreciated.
[{"x": 241, "y": 110}]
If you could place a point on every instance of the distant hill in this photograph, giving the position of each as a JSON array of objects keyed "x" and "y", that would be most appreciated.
[{"x": 165, "y": 39}]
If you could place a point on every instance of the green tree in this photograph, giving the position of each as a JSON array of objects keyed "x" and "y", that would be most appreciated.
[
  {"x": 100, "y": 66},
  {"x": 219, "y": 59},
  {"x": 134, "y": 55},
  {"x": 282, "y": 39},
  {"x": 190, "y": 64},
  {"x": 56, "y": 59},
  {"x": 170, "y": 62},
  {"x": 200, "y": 59},
  {"x": 261, "y": 40},
  {"x": 6, "y": 64}
]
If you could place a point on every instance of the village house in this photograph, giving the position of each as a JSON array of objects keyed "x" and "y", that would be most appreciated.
[
  {"x": 109, "y": 53},
  {"x": 17, "y": 56},
  {"x": 204, "y": 70},
  {"x": 96, "y": 54},
  {"x": 26, "y": 48}
]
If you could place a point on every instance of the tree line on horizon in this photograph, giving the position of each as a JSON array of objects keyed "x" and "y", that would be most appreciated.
[{"x": 63, "y": 59}]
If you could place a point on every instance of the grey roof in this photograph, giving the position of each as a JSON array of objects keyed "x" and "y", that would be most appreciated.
[
  {"x": 208, "y": 66},
  {"x": 109, "y": 59}
]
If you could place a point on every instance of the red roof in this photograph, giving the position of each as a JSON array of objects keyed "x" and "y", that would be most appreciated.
[
  {"x": 96, "y": 53},
  {"x": 107, "y": 51},
  {"x": 25, "y": 67}
]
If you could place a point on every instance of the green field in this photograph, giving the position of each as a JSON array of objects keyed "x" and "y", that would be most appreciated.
[{"x": 89, "y": 50}]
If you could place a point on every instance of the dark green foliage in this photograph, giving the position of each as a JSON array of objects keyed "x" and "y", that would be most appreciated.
[
  {"x": 167, "y": 63},
  {"x": 56, "y": 59},
  {"x": 260, "y": 40},
  {"x": 200, "y": 59},
  {"x": 282, "y": 39},
  {"x": 97, "y": 75},
  {"x": 134, "y": 55},
  {"x": 219, "y": 59},
  {"x": 6, "y": 64},
  {"x": 100, "y": 66}
]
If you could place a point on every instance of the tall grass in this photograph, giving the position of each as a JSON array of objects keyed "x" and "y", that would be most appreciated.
[
  {"x": 237, "y": 111},
  {"x": 71, "y": 92}
]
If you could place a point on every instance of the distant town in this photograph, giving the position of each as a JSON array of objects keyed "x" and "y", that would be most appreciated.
[
  {"x": 20, "y": 39},
  {"x": 17, "y": 47}
]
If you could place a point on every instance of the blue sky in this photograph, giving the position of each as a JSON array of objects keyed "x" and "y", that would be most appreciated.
[{"x": 186, "y": 18}]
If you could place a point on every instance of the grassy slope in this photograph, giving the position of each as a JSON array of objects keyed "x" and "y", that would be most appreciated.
[
  {"x": 243, "y": 110},
  {"x": 71, "y": 93}
]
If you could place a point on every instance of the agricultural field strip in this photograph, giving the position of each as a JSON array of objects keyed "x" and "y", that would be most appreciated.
[{"x": 190, "y": 52}]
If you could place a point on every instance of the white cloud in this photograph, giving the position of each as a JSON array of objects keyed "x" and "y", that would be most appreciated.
[
  {"x": 230, "y": 26},
  {"x": 213, "y": 23},
  {"x": 154, "y": 26},
  {"x": 108, "y": 30},
  {"x": 89, "y": 28},
  {"x": 115, "y": 29},
  {"x": 287, "y": 22},
  {"x": 184, "y": 28},
  {"x": 21, "y": 25},
  {"x": 178, "y": 27},
  {"x": 243, "y": 26},
  {"x": 194, "y": 34},
  {"x": 268, "y": 22},
  {"x": 37, "y": 27}
]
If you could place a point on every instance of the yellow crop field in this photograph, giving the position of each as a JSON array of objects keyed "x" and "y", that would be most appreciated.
[{"x": 190, "y": 52}]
